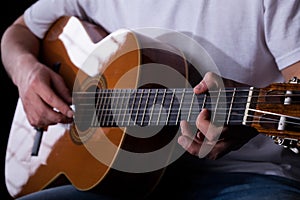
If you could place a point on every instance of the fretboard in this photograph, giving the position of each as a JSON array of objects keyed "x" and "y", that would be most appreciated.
[{"x": 147, "y": 107}]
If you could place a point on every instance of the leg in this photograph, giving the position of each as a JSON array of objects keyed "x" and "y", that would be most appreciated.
[{"x": 67, "y": 192}]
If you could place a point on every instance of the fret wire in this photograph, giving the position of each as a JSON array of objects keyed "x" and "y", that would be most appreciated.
[
  {"x": 101, "y": 111},
  {"x": 109, "y": 106},
  {"x": 191, "y": 107},
  {"x": 230, "y": 108},
  {"x": 127, "y": 104},
  {"x": 216, "y": 106},
  {"x": 94, "y": 118},
  {"x": 100, "y": 106},
  {"x": 132, "y": 106},
  {"x": 112, "y": 102},
  {"x": 106, "y": 110},
  {"x": 145, "y": 107},
  {"x": 248, "y": 104},
  {"x": 95, "y": 115},
  {"x": 204, "y": 101},
  {"x": 170, "y": 106},
  {"x": 121, "y": 105},
  {"x": 161, "y": 106},
  {"x": 153, "y": 105},
  {"x": 138, "y": 108},
  {"x": 180, "y": 105}
]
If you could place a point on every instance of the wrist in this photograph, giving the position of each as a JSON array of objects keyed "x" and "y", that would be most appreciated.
[{"x": 23, "y": 67}]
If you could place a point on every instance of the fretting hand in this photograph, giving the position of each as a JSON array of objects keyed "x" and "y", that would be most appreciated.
[{"x": 211, "y": 141}]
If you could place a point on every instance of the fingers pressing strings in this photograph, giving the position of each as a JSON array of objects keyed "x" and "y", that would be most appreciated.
[{"x": 198, "y": 142}]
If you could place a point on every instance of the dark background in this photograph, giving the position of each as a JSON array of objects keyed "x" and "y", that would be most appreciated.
[{"x": 10, "y": 10}]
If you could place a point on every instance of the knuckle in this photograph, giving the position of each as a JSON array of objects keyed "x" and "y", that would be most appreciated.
[
  {"x": 210, "y": 75},
  {"x": 194, "y": 151},
  {"x": 36, "y": 122},
  {"x": 49, "y": 99}
]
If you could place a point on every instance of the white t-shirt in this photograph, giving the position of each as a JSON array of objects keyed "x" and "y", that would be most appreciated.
[{"x": 250, "y": 41}]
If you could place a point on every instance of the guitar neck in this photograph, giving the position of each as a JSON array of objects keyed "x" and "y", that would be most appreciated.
[{"x": 146, "y": 107}]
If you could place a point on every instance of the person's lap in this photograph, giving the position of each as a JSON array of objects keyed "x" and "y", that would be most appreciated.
[
  {"x": 217, "y": 186},
  {"x": 228, "y": 186}
]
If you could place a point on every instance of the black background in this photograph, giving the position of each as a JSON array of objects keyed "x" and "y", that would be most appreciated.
[{"x": 10, "y": 10}]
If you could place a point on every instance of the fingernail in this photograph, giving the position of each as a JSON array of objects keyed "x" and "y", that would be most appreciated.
[
  {"x": 182, "y": 141},
  {"x": 70, "y": 114},
  {"x": 198, "y": 87}
]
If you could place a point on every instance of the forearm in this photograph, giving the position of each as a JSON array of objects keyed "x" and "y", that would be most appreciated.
[
  {"x": 292, "y": 71},
  {"x": 19, "y": 49}
]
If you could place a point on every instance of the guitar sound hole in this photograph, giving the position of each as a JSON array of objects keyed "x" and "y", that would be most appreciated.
[{"x": 85, "y": 108}]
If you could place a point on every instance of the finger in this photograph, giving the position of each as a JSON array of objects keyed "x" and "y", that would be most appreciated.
[
  {"x": 40, "y": 114},
  {"x": 52, "y": 99},
  {"x": 232, "y": 140},
  {"x": 61, "y": 89},
  {"x": 188, "y": 140},
  {"x": 203, "y": 123},
  {"x": 199, "y": 145},
  {"x": 219, "y": 150},
  {"x": 210, "y": 81},
  {"x": 201, "y": 88},
  {"x": 186, "y": 130}
]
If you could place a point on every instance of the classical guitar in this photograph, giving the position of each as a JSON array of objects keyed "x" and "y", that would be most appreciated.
[{"x": 128, "y": 112}]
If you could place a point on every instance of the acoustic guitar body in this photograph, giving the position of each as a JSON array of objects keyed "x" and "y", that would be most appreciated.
[{"x": 95, "y": 153}]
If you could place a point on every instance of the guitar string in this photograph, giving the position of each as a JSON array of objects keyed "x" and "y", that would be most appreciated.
[
  {"x": 178, "y": 90},
  {"x": 199, "y": 99},
  {"x": 93, "y": 96},
  {"x": 268, "y": 119},
  {"x": 81, "y": 98},
  {"x": 184, "y": 108},
  {"x": 234, "y": 122},
  {"x": 136, "y": 92}
]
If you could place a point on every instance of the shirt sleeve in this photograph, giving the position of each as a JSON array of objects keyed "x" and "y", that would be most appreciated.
[
  {"x": 282, "y": 30},
  {"x": 43, "y": 13}
]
